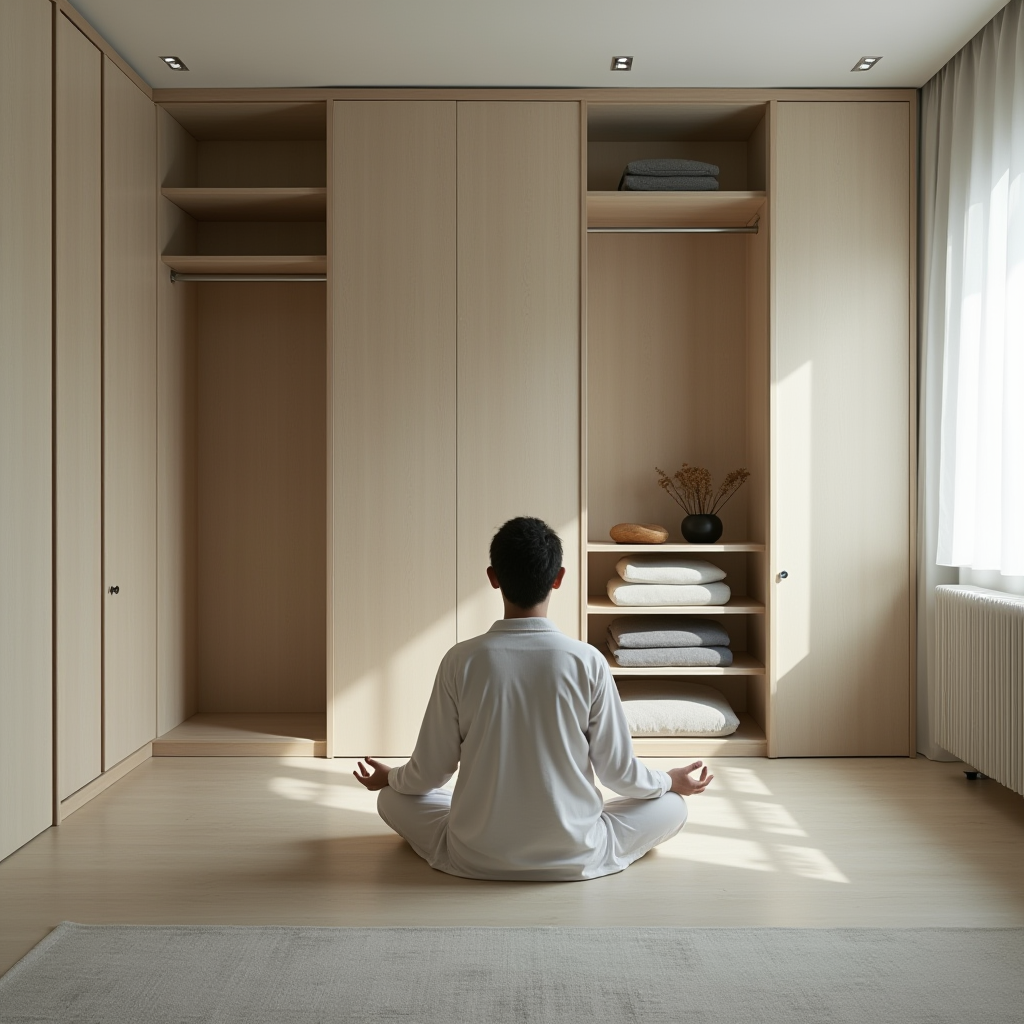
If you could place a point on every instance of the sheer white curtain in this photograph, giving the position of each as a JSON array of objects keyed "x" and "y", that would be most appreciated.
[
  {"x": 974, "y": 109},
  {"x": 971, "y": 460}
]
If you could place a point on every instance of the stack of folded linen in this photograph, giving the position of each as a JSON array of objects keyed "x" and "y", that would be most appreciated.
[
  {"x": 650, "y": 582},
  {"x": 669, "y": 641},
  {"x": 663, "y": 175}
]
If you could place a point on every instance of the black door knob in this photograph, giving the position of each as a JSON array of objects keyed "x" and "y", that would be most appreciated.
[
  {"x": 113, "y": 590},
  {"x": 783, "y": 575}
]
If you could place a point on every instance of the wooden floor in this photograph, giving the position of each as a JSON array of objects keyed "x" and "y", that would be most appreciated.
[
  {"x": 246, "y": 735},
  {"x": 296, "y": 841}
]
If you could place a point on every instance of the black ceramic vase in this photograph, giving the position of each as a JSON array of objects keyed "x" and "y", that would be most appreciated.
[{"x": 705, "y": 529}]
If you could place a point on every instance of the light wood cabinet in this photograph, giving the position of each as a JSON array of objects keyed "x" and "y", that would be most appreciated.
[
  {"x": 518, "y": 401},
  {"x": 26, "y": 652},
  {"x": 843, "y": 428},
  {"x": 78, "y": 420},
  {"x": 255, "y": 486},
  {"x": 393, "y": 388},
  {"x": 129, "y": 416}
]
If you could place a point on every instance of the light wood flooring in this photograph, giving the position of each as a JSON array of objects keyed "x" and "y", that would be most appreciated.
[{"x": 296, "y": 841}]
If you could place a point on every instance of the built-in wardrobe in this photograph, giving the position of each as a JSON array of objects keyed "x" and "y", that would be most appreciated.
[{"x": 300, "y": 353}]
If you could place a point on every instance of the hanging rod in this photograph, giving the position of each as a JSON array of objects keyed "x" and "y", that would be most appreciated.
[
  {"x": 175, "y": 276},
  {"x": 749, "y": 230}
]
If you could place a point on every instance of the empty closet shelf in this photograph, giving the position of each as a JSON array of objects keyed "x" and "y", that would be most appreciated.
[
  {"x": 673, "y": 209},
  {"x": 247, "y": 264},
  {"x": 251, "y": 204}
]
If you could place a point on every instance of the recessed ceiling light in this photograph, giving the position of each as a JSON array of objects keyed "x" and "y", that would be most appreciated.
[
  {"x": 174, "y": 63},
  {"x": 622, "y": 63},
  {"x": 865, "y": 63}
]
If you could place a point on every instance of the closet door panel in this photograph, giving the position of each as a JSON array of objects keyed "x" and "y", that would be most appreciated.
[
  {"x": 518, "y": 340},
  {"x": 129, "y": 415},
  {"x": 26, "y": 651},
  {"x": 393, "y": 411},
  {"x": 842, "y": 428},
  {"x": 78, "y": 267}
]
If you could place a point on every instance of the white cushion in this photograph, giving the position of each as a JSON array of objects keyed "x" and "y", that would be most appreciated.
[
  {"x": 664, "y": 594},
  {"x": 656, "y": 707},
  {"x": 638, "y": 569}
]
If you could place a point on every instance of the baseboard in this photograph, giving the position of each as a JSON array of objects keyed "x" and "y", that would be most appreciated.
[{"x": 105, "y": 781}]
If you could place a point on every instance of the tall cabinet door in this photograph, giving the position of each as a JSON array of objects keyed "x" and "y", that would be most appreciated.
[
  {"x": 78, "y": 421},
  {"x": 392, "y": 462},
  {"x": 129, "y": 416},
  {"x": 842, "y": 429},
  {"x": 518, "y": 340},
  {"x": 26, "y": 652}
]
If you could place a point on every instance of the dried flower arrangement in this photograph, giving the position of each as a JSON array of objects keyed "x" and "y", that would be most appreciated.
[{"x": 690, "y": 487}]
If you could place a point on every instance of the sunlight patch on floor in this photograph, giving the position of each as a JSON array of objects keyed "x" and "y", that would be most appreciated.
[
  {"x": 721, "y": 851},
  {"x": 727, "y": 808}
]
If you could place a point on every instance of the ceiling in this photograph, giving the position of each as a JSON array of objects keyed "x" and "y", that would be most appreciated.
[{"x": 567, "y": 43}]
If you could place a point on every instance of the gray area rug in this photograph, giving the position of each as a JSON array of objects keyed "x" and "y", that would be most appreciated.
[{"x": 277, "y": 975}]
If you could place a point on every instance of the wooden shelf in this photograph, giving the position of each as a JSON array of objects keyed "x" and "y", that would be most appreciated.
[
  {"x": 747, "y": 741},
  {"x": 737, "y": 606},
  {"x": 251, "y": 204},
  {"x": 246, "y": 735},
  {"x": 609, "y": 547},
  {"x": 742, "y": 665},
  {"x": 673, "y": 209},
  {"x": 247, "y": 264}
]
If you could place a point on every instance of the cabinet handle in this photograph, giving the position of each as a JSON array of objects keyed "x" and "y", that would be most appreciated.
[
  {"x": 113, "y": 590},
  {"x": 783, "y": 575}
]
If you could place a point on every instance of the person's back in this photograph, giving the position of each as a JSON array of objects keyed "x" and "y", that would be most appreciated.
[{"x": 528, "y": 716}]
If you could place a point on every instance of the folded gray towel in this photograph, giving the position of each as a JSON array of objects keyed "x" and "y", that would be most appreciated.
[
  {"x": 666, "y": 167},
  {"x": 667, "y": 631},
  {"x": 671, "y": 657},
  {"x": 653, "y": 183}
]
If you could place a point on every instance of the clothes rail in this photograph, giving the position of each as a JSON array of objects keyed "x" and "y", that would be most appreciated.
[
  {"x": 748, "y": 230},
  {"x": 175, "y": 276}
]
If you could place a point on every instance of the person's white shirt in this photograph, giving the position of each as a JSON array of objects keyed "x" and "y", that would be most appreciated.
[{"x": 528, "y": 715}]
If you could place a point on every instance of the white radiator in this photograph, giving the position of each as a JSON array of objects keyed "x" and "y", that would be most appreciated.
[{"x": 979, "y": 691}]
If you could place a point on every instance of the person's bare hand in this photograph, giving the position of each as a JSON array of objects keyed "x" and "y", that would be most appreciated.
[
  {"x": 372, "y": 780},
  {"x": 685, "y": 784}
]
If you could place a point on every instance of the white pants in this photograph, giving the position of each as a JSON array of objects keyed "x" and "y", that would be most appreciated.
[{"x": 636, "y": 827}]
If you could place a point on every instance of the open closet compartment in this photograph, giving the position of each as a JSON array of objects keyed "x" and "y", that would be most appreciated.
[
  {"x": 251, "y": 179},
  {"x": 242, "y": 308},
  {"x": 677, "y": 370}
]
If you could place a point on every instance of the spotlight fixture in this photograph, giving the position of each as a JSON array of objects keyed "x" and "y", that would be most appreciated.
[
  {"x": 865, "y": 63},
  {"x": 622, "y": 63},
  {"x": 174, "y": 63}
]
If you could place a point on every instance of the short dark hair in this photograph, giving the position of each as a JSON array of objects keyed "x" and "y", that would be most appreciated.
[{"x": 526, "y": 555}]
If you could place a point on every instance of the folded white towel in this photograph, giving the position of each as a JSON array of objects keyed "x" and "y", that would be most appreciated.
[
  {"x": 670, "y": 657},
  {"x": 667, "y": 631},
  {"x": 637, "y": 569},
  {"x": 671, "y": 708},
  {"x": 634, "y": 595}
]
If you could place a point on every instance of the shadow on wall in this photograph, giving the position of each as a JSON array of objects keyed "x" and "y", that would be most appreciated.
[{"x": 382, "y": 685}]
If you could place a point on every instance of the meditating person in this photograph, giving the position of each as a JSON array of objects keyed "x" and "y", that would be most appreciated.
[{"x": 528, "y": 716}]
